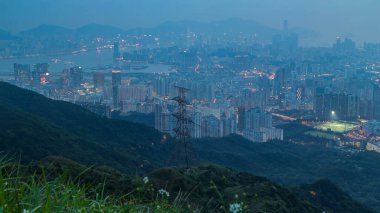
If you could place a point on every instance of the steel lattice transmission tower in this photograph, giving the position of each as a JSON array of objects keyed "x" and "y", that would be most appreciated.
[{"x": 182, "y": 150}]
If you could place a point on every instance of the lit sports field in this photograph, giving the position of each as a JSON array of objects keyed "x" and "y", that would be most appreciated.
[{"x": 336, "y": 126}]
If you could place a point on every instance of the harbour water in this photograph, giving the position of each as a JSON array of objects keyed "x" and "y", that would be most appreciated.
[{"x": 101, "y": 60}]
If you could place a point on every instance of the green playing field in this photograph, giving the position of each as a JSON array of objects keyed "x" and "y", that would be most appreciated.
[{"x": 336, "y": 126}]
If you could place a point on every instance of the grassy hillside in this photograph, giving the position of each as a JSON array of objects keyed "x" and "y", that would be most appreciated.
[
  {"x": 324, "y": 194},
  {"x": 215, "y": 186},
  {"x": 40, "y": 189},
  {"x": 58, "y": 184},
  {"x": 291, "y": 164}
]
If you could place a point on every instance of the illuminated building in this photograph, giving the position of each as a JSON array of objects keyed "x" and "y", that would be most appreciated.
[
  {"x": 40, "y": 74},
  {"x": 300, "y": 93}
]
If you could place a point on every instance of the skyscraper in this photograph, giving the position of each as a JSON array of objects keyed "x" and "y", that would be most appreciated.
[
  {"x": 241, "y": 119},
  {"x": 210, "y": 126},
  {"x": 256, "y": 118},
  {"x": 258, "y": 127},
  {"x": 338, "y": 105},
  {"x": 116, "y": 83},
  {"x": 286, "y": 28},
  {"x": 285, "y": 43},
  {"x": 116, "y": 51},
  {"x": 195, "y": 126},
  {"x": 98, "y": 81},
  {"x": 164, "y": 119},
  {"x": 22, "y": 73},
  {"x": 40, "y": 74},
  {"x": 76, "y": 77}
]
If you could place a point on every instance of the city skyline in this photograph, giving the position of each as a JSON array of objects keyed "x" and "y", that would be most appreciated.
[{"x": 329, "y": 18}]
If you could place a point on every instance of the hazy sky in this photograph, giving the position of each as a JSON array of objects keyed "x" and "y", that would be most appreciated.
[{"x": 331, "y": 18}]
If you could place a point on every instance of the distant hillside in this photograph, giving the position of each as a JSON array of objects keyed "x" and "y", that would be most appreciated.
[
  {"x": 135, "y": 117},
  {"x": 88, "y": 31},
  {"x": 98, "y": 30},
  {"x": 44, "y": 31},
  {"x": 36, "y": 127},
  {"x": 4, "y": 35},
  {"x": 232, "y": 26}
]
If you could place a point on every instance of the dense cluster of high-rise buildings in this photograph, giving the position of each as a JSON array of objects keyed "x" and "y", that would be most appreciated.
[
  {"x": 35, "y": 75},
  {"x": 234, "y": 88}
]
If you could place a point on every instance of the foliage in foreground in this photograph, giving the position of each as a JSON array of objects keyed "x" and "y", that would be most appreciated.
[{"x": 34, "y": 193}]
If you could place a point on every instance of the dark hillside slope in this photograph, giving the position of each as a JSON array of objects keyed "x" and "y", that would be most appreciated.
[
  {"x": 357, "y": 173},
  {"x": 210, "y": 188},
  {"x": 38, "y": 127},
  {"x": 215, "y": 186},
  {"x": 324, "y": 194}
]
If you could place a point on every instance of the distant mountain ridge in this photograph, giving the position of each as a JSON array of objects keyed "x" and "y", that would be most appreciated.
[
  {"x": 4, "y": 35},
  {"x": 90, "y": 30},
  {"x": 94, "y": 30},
  {"x": 46, "y": 30},
  {"x": 229, "y": 26}
]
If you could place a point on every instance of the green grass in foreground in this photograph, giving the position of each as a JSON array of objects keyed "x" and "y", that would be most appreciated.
[{"x": 27, "y": 194}]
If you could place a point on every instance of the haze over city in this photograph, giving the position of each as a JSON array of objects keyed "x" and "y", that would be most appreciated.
[
  {"x": 190, "y": 106},
  {"x": 356, "y": 19}
]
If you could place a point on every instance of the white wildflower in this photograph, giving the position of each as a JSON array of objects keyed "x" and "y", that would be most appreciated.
[
  {"x": 145, "y": 180},
  {"x": 164, "y": 192},
  {"x": 235, "y": 208}
]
